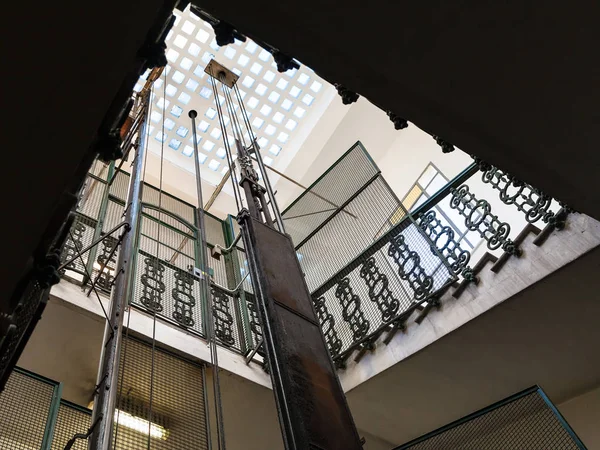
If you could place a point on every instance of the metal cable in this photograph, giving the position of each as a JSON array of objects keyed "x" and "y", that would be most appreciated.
[
  {"x": 260, "y": 161},
  {"x": 160, "y": 191},
  {"x": 210, "y": 320},
  {"x": 234, "y": 180}
]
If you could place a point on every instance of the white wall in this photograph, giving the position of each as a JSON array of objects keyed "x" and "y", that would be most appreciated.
[{"x": 583, "y": 414}]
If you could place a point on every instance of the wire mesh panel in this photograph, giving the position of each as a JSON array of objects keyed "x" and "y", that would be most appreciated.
[
  {"x": 348, "y": 233},
  {"x": 527, "y": 420},
  {"x": 70, "y": 420},
  {"x": 379, "y": 288},
  {"x": 229, "y": 324},
  {"x": 81, "y": 236},
  {"x": 331, "y": 191},
  {"x": 25, "y": 406},
  {"x": 24, "y": 317},
  {"x": 163, "y": 281},
  {"x": 178, "y": 409}
]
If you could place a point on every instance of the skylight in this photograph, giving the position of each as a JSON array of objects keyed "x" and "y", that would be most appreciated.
[
  {"x": 192, "y": 84},
  {"x": 188, "y": 27},
  {"x": 180, "y": 41},
  {"x": 169, "y": 124},
  {"x": 186, "y": 63},
  {"x": 276, "y": 103},
  {"x": 175, "y": 144}
]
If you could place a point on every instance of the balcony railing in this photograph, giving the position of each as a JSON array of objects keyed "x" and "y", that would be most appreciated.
[{"x": 370, "y": 260}]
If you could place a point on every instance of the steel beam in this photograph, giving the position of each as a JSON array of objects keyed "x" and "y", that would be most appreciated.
[{"x": 107, "y": 383}]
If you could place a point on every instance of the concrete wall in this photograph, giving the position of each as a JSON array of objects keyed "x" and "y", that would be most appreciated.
[
  {"x": 581, "y": 235},
  {"x": 583, "y": 414}
]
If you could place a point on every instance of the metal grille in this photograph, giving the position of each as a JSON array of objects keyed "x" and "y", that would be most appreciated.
[
  {"x": 348, "y": 233},
  {"x": 150, "y": 196},
  {"x": 164, "y": 285},
  {"x": 99, "y": 169},
  {"x": 70, "y": 420},
  {"x": 25, "y": 406},
  {"x": 364, "y": 278},
  {"x": 214, "y": 230},
  {"x": 178, "y": 408},
  {"x": 82, "y": 235},
  {"x": 32, "y": 302},
  {"x": 91, "y": 197},
  {"x": 527, "y": 420},
  {"x": 379, "y": 289},
  {"x": 333, "y": 189}
]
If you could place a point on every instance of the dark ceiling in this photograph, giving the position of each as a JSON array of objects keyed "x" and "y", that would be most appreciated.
[{"x": 514, "y": 83}]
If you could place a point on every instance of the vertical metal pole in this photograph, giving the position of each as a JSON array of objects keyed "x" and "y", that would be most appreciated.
[
  {"x": 52, "y": 416},
  {"x": 108, "y": 374},
  {"x": 205, "y": 291}
]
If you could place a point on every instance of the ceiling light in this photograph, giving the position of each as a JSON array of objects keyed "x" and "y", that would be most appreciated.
[{"x": 141, "y": 425}]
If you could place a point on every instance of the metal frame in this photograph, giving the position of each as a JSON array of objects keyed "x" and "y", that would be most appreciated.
[
  {"x": 54, "y": 405},
  {"x": 531, "y": 390}
]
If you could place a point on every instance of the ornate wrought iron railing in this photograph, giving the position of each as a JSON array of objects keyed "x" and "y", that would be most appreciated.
[
  {"x": 413, "y": 264},
  {"x": 369, "y": 261}
]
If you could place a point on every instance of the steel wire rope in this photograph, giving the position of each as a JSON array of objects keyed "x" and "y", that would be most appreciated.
[
  {"x": 210, "y": 320},
  {"x": 157, "y": 258}
]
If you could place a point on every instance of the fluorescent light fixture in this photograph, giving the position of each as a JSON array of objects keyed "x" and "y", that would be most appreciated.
[{"x": 141, "y": 425}]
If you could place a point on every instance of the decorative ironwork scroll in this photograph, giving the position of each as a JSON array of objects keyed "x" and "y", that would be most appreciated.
[
  {"x": 409, "y": 267},
  {"x": 255, "y": 327},
  {"x": 333, "y": 341},
  {"x": 223, "y": 318},
  {"x": 379, "y": 291},
  {"x": 73, "y": 245},
  {"x": 154, "y": 288},
  {"x": 478, "y": 217},
  {"x": 105, "y": 278},
  {"x": 184, "y": 299},
  {"x": 351, "y": 311},
  {"x": 443, "y": 237},
  {"x": 531, "y": 201}
]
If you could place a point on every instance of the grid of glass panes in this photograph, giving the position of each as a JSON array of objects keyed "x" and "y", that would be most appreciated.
[{"x": 277, "y": 103}]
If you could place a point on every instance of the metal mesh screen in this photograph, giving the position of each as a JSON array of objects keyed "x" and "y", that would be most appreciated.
[
  {"x": 24, "y": 410},
  {"x": 348, "y": 233},
  {"x": 31, "y": 303},
  {"x": 82, "y": 235},
  {"x": 214, "y": 230},
  {"x": 70, "y": 420},
  {"x": 528, "y": 421},
  {"x": 178, "y": 408},
  {"x": 364, "y": 277},
  {"x": 332, "y": 190},
  {"x": 379, "y": 288},
  {"x": 164, "y": 284}
]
